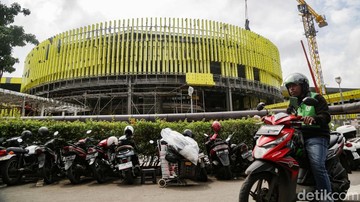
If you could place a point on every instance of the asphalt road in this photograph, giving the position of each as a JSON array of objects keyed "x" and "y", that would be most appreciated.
[{"x": 89, "y": 190}]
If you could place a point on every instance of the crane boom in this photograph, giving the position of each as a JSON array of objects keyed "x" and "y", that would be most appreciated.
[
  {"x": 308, "y": 15},
  {"x": 318, "y": 18}
]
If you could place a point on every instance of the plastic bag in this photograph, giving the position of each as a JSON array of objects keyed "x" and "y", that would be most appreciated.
[
  {"x": 186, "y": 146},
  {"x": 172, "y": 155}
]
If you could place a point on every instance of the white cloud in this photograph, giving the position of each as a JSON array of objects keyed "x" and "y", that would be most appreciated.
[{"x": 277, "y": 20}]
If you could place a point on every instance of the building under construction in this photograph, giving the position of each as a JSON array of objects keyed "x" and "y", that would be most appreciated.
[{"x": 146, "y": 66}]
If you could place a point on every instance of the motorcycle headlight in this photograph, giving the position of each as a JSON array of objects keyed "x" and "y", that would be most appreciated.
[{"x": 277, "y": 141}]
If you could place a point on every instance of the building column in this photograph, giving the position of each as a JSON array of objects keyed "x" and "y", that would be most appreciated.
[
  {"x": 129, "y": 96},
  {"x": 229, "y": 105}
]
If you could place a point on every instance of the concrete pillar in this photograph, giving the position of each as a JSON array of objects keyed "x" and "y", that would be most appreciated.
[
  {"x": 23, "y": 108},
  {"x": 42, "y": 110},
  {"x": 129, "y": 96},
  {"x": 229, "y": 105}
]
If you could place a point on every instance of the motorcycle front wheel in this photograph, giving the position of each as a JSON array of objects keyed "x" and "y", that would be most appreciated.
[
  {"x": 201, "y": 174},
  {"x": 73, "y": 174},
  {"x": 11, "y": 175},
  {"x": 256, "y": 188},
  {"x": 129, "y": 178},
  {"x": 47, "y": 171},
  {"x": 224, "y": 173}
]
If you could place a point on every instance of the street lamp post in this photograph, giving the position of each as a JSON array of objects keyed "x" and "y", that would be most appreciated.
[
  {"x": 338, "y": 80},
  {"x": 190, "y": 92}
]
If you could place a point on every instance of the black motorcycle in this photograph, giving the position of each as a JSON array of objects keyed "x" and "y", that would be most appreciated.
[
  {"x": 51, "y": 165},
  {"x": 240, "y": 158},
  {"x": 218, "y": 151},
  {"x": 18, "y": 159}
]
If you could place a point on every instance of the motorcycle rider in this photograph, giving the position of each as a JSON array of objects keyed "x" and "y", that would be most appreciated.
[{"x": 315, "y": 131}]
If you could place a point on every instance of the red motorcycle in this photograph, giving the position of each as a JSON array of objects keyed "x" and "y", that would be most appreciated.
[
  {"x": 280, "y": 171},
  {"x": 101, "y": 158},
  {"x": 75, "y": 162}
]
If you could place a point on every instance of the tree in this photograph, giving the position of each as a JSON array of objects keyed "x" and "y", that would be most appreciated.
[{"x": 11, "y": 36}]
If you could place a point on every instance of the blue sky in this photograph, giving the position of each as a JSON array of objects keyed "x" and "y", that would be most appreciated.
[{"x": 277, "y": 20}]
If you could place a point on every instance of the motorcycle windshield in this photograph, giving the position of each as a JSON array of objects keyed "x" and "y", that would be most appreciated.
[{"x": 280, "y": 116}]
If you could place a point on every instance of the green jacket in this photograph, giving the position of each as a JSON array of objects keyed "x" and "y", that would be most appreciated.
[{"x": 321, "y": 114}]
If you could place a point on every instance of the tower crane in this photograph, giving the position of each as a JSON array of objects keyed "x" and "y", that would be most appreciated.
[
  {"x": 308, "y": 15},
  {"x": 247, "y": 22}
]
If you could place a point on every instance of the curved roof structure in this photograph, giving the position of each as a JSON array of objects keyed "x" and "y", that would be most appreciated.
[
  {"x": 145, "y": 65},
  {"x": 11, "y": 99}
]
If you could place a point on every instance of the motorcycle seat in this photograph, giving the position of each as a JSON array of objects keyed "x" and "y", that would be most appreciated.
[
  {"x": 124, "y": 147},
  {"x": 17, "y": 150}
]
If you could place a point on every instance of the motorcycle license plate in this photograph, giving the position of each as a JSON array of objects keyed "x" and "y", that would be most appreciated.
[
  {"x": 3, "y": 158},
  {"x": 355, "y": 155},
  {"x": 222, "y": 151},
  {"x": 125, "y": 165},
  {"x": 69, "y": 158},
  {"x": 270, "y": 130},
  {"x": 93, "y": 155},
  {"x": 246, "y": 155}
]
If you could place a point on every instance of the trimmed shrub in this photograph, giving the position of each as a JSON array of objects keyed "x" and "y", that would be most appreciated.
[{"x": 242, "y": 130}]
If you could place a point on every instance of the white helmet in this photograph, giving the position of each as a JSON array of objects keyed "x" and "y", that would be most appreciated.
[
  {"x": 112, "y": 140},
  {"x": 129, "y": 130}
]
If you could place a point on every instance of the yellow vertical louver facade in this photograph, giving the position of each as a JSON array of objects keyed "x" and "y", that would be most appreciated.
[{"x": 153, "y": 46}]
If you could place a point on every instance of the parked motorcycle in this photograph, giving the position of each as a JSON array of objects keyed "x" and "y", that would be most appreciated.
[
  {"x": 101, "y": 158},
  {"x": 75, "y": 162},
  {"x": 280, "y": 169},
  {"x": 127, "y": 161},
  {"x": 18, "y": 159},
  {"x": 240, "y": 158},
  {"x": 51, "y": 165},
  {"x": 351, "y": 148},
  {"x": 218, "y": 152}
]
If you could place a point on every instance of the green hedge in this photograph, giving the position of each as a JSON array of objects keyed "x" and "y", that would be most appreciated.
[{"x": 145, "y": 131}]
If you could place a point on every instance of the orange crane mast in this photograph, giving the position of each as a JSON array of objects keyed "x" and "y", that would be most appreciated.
[{"x": 308, "y": 15}]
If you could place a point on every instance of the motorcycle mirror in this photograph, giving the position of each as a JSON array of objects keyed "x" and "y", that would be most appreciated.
[
  {"x": 310, "y": 101},
  {"x": 56, "y": 133},
  {"x": 229, "y": 138},
  {"x": 260, "y": 106},
  {"x": 151, "y": 141},
  {"x": 88, "y": 132},
  {"x": 20, "y": 140}
]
